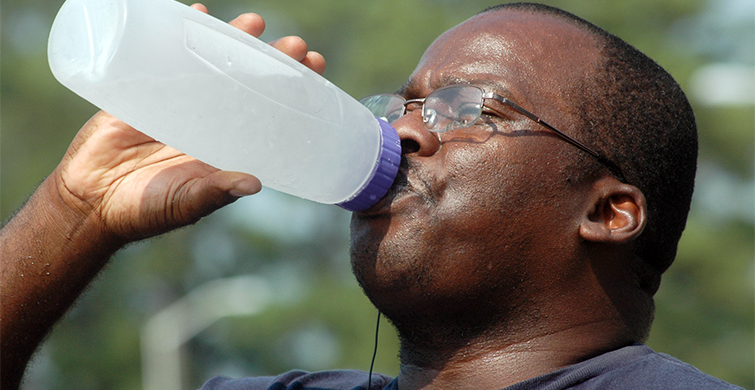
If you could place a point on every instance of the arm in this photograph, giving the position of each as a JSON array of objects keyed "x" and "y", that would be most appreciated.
[{"x": 115, "y": 185}]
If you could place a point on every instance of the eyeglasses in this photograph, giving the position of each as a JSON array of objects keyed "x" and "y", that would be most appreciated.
[{"x": 458, "y": 106}]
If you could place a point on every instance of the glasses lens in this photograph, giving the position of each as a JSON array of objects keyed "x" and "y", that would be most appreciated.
[
  {"x": 453, "y": 107},
  {"x": 386, "y": 107}
]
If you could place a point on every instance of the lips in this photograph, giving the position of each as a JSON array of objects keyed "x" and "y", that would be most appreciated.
[{"x": 399, "y": 188}]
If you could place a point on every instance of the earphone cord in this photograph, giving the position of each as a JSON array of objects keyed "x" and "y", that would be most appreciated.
[{"x": 374, "y": 353}]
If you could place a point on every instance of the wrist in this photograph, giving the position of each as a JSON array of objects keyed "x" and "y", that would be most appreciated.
[{"x": 73, "y": 220}]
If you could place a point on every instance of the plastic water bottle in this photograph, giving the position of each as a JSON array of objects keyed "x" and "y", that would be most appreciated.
[{"x": 224, "y": 97}]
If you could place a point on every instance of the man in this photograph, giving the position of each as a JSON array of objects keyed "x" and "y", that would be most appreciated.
[{"x": 509, "y": 252}]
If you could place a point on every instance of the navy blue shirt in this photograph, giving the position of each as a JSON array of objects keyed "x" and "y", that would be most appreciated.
[{"x": 635, "y": 367}]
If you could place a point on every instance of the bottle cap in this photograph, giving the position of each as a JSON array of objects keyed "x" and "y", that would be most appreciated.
[{"x": 385, "y": 171}]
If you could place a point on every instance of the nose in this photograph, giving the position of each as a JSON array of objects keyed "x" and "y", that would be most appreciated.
[{"x": 415, "y": 138}]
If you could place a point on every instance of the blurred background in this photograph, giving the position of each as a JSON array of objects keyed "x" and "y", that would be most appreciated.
[{"x": 311, "y": 314}]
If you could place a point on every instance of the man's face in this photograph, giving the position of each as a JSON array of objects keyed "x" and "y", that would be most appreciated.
[{"x": 481, "y": 212}]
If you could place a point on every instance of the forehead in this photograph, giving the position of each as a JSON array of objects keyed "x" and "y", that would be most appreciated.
[{"x": 516, "y": 52}]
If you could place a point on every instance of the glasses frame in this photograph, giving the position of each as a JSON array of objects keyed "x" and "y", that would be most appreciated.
[{"x": 507, "y": 102}]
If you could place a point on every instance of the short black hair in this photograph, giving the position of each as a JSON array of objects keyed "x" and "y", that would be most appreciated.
[{"x": 637, "y": 115}]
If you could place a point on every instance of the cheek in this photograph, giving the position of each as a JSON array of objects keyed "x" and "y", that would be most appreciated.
[
  {"x": 492, "y": 198},
  {"x": 478, "y": 185}
]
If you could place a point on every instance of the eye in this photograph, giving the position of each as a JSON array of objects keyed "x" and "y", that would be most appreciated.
[
  {"x": 493, "y": 114},
  {"x": 393, "y": 115},
  {"x": 468, "y": 113},
  {"x": 489, "y": 115},
  {"x": 385, "y": 106}
]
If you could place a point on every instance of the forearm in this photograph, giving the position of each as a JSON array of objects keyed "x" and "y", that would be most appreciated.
[{"x": 49, "y": 252}]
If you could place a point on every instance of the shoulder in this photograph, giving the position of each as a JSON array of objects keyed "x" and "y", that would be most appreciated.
[
  {"x": 657, "y": 370},
  {"x": 330, "y": 380},
  {"x": 639, "y": 367},
  {"x": 662, "y": 369},
  {"x": 633, "y": 367}
]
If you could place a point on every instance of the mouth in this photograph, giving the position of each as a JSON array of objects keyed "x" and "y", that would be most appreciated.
[{"x": 399, "y": 188}]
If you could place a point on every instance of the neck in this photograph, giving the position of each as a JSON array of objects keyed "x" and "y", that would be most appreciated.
[{"x": 497, "y": 362}]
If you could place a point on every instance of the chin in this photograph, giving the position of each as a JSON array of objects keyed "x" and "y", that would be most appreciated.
[{"x": 390, "y": 279}]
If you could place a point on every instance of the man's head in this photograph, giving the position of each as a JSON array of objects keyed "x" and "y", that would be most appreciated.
[
  {"x": 501, "y": 225},
  {"x": 634, "y": 111}
]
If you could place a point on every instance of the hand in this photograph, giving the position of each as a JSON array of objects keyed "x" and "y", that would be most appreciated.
[{"x": 134, "y": 187}]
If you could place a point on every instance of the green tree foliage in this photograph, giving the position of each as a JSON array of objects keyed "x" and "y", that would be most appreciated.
[{"x": 320, "y": 319}]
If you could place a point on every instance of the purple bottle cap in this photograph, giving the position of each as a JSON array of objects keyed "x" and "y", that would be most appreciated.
[{"x": 385, "y": 171}]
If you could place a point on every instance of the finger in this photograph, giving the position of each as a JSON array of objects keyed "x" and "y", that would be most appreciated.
[
  {"x": 294, "y": 47},
  {"x": 215, "y": 191},
  {"x": 250, "y": 23},
  {"x": 200, "y": 7},
  {"x": 314, "y": 61},
  {"x": 239, "y": 184}
]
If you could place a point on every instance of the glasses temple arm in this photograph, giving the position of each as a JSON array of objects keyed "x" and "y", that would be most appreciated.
[{"x": 610, "y": 164}]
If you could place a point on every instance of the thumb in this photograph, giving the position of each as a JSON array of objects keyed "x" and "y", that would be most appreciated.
[
  {"x": 217, "y": 190},
  {"x": 241, "y": 184}
]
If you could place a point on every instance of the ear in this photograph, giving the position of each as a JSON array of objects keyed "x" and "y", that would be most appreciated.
[{"x": 616, "y": 213}]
